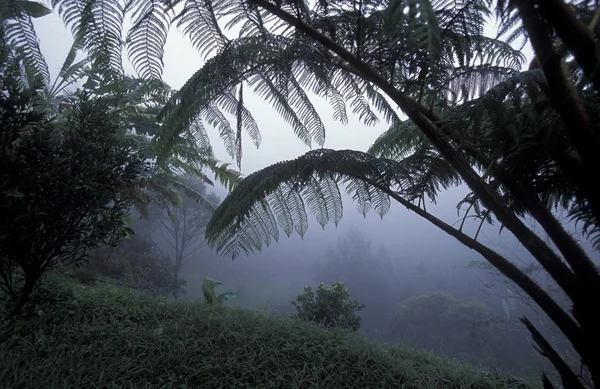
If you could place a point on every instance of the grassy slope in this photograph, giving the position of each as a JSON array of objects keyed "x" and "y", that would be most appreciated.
[{"x": 106, "y": 337}]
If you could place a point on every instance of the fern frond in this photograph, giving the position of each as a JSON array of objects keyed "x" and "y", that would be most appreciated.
[
  {"x": 19, "y": 33},
  {"x": 279, "y": 195},
  {"x": 398, "y": 141},
  {"x": 146, "y": 39},
  {"x": 98, "y": 26},
  {"x": 199, "y": 21},
  {"x": 419, "y": 17}
]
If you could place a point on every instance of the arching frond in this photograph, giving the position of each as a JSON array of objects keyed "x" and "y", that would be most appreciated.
[
  {"x": 399, "y": 141},
  {"x": 19, "y": 33},
  {"x": 147, "y": 38},
  {"x": 279, "y": 195},
  {"x": 97, "y": 25}
]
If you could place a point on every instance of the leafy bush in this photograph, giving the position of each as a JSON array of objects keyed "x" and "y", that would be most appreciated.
[
  {"x": 61, "y": 187},
  {"x": 439, "y": 321},
  {"x": 330, "y": 307}
]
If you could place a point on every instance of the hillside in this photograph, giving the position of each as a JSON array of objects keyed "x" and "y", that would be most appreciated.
[{"x": 102, "y": 336}]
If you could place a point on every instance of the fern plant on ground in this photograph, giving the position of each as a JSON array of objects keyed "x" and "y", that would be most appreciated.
[{"x": 102, "y": 336}]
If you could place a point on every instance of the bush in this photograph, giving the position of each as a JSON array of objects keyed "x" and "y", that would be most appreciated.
[
  {"x": 330, "y": 307},
  {"x": 61, "y": 188}
]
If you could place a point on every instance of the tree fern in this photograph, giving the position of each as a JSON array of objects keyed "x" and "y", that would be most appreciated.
[
  {"x": 97, "y": 26},
  {"x": 16, "y": 22},
  {"x": 279, "y": 195}
]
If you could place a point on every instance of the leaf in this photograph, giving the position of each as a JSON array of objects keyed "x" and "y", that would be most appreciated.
[
  {"x": 148, "y": 36},
  {"x": 249, "y": 215},
  {"x": 21, "y": 36},
  {"x": 226, "y": 296}
]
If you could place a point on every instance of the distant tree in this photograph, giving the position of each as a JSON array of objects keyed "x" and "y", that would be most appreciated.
[
  {"x": 440, "y": 322},
  {"x": 134, "y": 262},
  {"x": 181, "y": 225},
  {"x": 330, "y": 307},
  {"x": 61, "y": 189},
  {"x": 367, "y": 272}
]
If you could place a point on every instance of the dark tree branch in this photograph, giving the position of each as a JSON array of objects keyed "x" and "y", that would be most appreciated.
[
  {"x": 575, "y": 35},
  {"x": 568, "y": 377}
]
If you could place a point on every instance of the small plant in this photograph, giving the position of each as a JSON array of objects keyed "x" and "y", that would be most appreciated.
[
  {"x": 208, "y": 289},
  {"x": 330, "y": 307}
]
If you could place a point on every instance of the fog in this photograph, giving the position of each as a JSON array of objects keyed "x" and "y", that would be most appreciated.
[{"x": 391, "y": 265}]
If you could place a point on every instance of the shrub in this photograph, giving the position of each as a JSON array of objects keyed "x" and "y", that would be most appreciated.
[
  {"x": 61, "y": 188},
  {"x": 330, "y": 307}
]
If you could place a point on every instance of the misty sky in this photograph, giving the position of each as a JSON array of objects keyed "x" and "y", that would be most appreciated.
[{"x": 402, "y": 232}]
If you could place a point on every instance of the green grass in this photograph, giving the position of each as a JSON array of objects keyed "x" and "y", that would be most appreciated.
[{"x": 103, "y": 336}]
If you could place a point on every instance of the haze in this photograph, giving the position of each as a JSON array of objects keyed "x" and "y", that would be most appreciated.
[{"x": 407, "y": 256}]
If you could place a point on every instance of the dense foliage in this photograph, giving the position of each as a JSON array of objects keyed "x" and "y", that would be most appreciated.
[
  {"x": 62, "y": 188},
  {"x": 524, "y": 142},
  {"x": 329, "y": 307}
]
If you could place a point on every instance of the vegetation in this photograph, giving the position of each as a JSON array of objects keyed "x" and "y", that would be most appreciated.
[
  {"x": 104, "y": 336},
  {"x": 438, "y": 321},
  {"x": 329, "y": 307},
  {"x": 524, "y": 142},
  {"x": 61, "y": 190},
  {"x": 431, "y": 59},
  {"x": 73, "y": 167},
  {"x": 210, "y": 297}
]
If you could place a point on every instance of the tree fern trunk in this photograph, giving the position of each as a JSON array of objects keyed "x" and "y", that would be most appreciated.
[{"x": 584, "y": 342}]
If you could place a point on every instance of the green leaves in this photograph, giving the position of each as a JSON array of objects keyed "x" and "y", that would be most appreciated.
[
  {"x": 19, "y": 33},
  {"x": 278, "y": 196},
  {"x": 70, "y": 183},
  {"x": 148, "y": 36},
  {"x": 418, "y": 17},
  {"x": 329, "y": 307},
  {"x": 208, "y": 289},
  {"x": 97, "y": 26}
]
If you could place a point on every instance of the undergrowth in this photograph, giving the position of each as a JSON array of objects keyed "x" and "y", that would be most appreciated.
[{"x": 103, "y": 336}]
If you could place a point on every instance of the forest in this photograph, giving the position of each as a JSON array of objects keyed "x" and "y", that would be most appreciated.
[{"x": 139, "y": 250}]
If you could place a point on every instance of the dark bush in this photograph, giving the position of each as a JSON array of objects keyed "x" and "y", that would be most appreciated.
[{"x": 61, "y": 187}]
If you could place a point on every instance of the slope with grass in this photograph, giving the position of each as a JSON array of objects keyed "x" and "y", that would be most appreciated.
[{"x": 103, "y": 336}]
